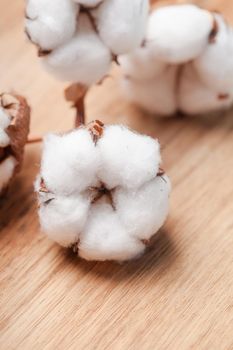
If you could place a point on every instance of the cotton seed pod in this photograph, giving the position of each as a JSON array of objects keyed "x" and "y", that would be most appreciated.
[
  {"x": 172, "y": 32},
  {"x": 14, "y": 129},
  {"x": 214, "y": 64},
  {"x": 83, "y": 59},
  {"x": 102, "y": 197},
  {"x": 121, "y": 24},
  {"x": 155, "y": 95},
  {"x": 50, "y": 23}
]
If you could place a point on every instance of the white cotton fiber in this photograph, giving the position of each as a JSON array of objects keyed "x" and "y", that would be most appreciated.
[
  {"x": 128, "y": 159},
  {"x": 7, "y": 168},
  {"x": 64, "y": 218},
  {"x": 4, "y": 123},
  {"x": 148, "y": 204},
  {"x": 89, "y": 3},
  {"x": 142, "y": 65},
  {"x": 195, "y": 97},
  {"x": 155, "y": 95},
  {"x": 4, "y": 119},
  {"x": 4, "y": 139},
  {"x": 121, "y": 24},
  {"x": 105, "y": 238},
  {"x": 179, "y": 33},
  {"x": 50, "y": 23},
  {"x": 215, "y": 64},
  {"x": 84, "y": 59},
  {"x": 69, "y": 162}
]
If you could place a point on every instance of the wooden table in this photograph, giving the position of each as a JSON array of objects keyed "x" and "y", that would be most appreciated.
[{"x": 180, "y": 294}]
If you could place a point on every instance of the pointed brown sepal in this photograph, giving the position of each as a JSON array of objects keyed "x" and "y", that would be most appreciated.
[{"x": 96, "y": 129}]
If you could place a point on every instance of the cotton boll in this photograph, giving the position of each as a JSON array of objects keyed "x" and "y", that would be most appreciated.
[
  {"x": 51, "y": 23},
  {"x": 215, "y": 64},
  {"x": 63, "y": 218},
  {"x": 105, "y": 238},
  {"x": 141, "y": 64},
  {"x": 179, "y": 33},
  {"x": 84, "y": 59},
  {"x": 7, "y": 168},
  {"x": 128, "y": 159},
  {"x": 157, "y": 95},
  {"x": 195, "y": 97},
  {"x": 102, "y": 193},
  {"x": 69, "y": 162},
  {"x": 121, "y": 24},
  {"x": 202, "y": 85},
  {"x": 144, "y": 210}
]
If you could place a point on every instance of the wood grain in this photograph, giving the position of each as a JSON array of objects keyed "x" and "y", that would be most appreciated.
[{"x": 180, "y": 294}]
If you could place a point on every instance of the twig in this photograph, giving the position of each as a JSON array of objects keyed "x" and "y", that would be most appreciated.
[
  {"x": 76, "y": 94},
  {"x": 34, "y": 139},
  {"x": 80, "y": 118}
]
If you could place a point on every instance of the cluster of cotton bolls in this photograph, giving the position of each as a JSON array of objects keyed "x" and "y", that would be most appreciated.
[
  {"x": 103, "y": 197},
  {"x": 185, "y": 65},
  {"x": 14, "y": 128},
  {"x": 78, "y": 39}
]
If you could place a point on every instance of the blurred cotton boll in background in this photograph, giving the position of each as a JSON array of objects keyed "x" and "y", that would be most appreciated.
[
  {"x": 181, "y": 68},
  {"x": 78, "y": 40}
]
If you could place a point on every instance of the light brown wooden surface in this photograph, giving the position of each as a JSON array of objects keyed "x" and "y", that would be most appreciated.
[{"x": 180, "y": 294}]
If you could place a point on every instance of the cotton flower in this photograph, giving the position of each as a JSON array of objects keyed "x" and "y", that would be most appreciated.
[
  {"x": 78, "y": 40},
  {"x": 14, "y": 128},
  {"x": 104, "y": 193},
  {"x": 181, "y": 68}
]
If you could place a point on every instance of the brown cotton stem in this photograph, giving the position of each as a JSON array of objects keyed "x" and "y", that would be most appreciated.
[
  {"x": 80, "y": 118},
  {"x": 34, "y": 139},
  {"x": 76, "y": 94}
]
